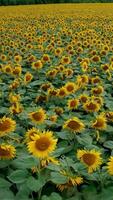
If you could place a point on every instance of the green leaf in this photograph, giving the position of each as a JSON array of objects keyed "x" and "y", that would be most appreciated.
[
  {"x": 26, "y": 162},
  {"x": 6, "y": 194},
  {"x": 108, "y": 144},
  {"x": 33, "y": 184},
  {"x": 4, "y": 183},
  {"x": 53, "y": 196},
  {"x": 18, "y": 176},
  {"x": 58, "y": 178}
]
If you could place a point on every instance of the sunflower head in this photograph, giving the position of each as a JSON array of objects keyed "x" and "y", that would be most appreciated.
[
  {"x": 91, "y": 158},
  {"x": 110, "y": 165},
  {"x": 73, "y": 104},
  {"x": 7, "y": 151},
  {"x": 42, "y": 145},
  {"x": 7, "y": 125},
  {"x": 38, "y": 117},
  {"x": 74, "y": 125},
  {"x": 100, "y": 123},
  {"x": 91, "y": 106},
  {"x": 30, "y": 133}
]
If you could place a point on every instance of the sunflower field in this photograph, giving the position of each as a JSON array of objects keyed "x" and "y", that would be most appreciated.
[{"x": 56, "y": 102}]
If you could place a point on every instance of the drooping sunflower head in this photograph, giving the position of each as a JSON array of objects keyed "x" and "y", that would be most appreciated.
[
  {"x": 72, "y": 180},
  {"x": 42, "y": 145},
  {"x": 7, "y": 151},
  {"x": 74, "y": 125},
  {"x": 100, "y": 123},
  {"x": 91, "y": 158},
  {"x": 30, "y": 133},
  {"x": 38, "y": 117},
  {"x": 7, "y": 125}
]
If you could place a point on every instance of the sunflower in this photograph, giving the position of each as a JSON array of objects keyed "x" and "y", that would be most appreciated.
[
  {"x": 50, "y": 159},
  {"x": 70, "y": 87},
  {"x": 17, "y": 70},
  {"x": 95, "y": 80},
  {"x": 100, "y": 123},
  {"x": 42, "y": 145},
  {"x": 95, "y": 58},
  {"x": 58, "y": 51},
  {"x": 18, "y": 58},
  {"x": 37, "y": 65},
  {"x": 91, "y": 158},
  {"x": 30, "y": 133},
  {"x": 65, "y": 60},
  {"x": 73, "y": 104},
  {"x": 38, "y": 117},
  {"x": 7, "y": 69},
  {"x": 74, "y": 125},
  {"x": 62, "y": 92},
  {"x": 97, "y": 90},
  {"x": 72, "y": 180},
  {"x": 28, "y": 77},
  {"x": 51, "y": 73},
  {"x": 109, "y": 116},
  {"x": 59, "y": 110},
  {"x": 16, "y": 108},
  {"x": 7, "y": 125},
  {"x": 7, "y": 151},
  {"x": 45, "y": 58},
  {"x": 83, "y": 98},
  {"x": 91, "y": 106},
  {"x": 110, "y": 165}
]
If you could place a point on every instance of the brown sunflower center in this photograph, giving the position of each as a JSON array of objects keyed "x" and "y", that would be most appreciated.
[
  {"x": 70, "y": 88},
  {"x": 42, "y": 144},
  {"x": 4, "y": 152},
  {"x": 37, "y": 116},
  {"x": 28, "y": 77},
  {"x": 73, "y": 103},
  {"x": 89, "y": 158},
  {"x": 91, "y": 106},
  {"x": 99, "y": 123},
  {"x": 73, "y": 125},
  {"x": 4, "y": 125}
]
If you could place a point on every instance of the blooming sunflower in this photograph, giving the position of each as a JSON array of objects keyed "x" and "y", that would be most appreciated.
[
  {"x": 91, "y": 106},
  {"x": 91, "y": 158},
  {"x": 73, "y": 104},
  {"x": 70, "y": 87},
  {"x": 62, "y": 92},
  {"x": 100, "y": 123},
  {"x": 7, "y": 125},
  {"x": 74, "y": 125},
  {"x": 42, "y": 145},
  {"x": 37, "y": 65},
  {"x": 7, "y": 151},
  {"x": 110, "y": 165},
  {"x": 38, "y": 117},
  {"x": 28, "y": 77}
]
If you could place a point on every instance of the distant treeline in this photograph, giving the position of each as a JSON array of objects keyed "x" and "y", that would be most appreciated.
[{"x": 24, "y": 2}]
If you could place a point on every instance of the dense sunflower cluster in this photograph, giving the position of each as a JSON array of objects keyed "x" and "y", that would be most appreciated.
[{"x": 56, "y": 97}]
